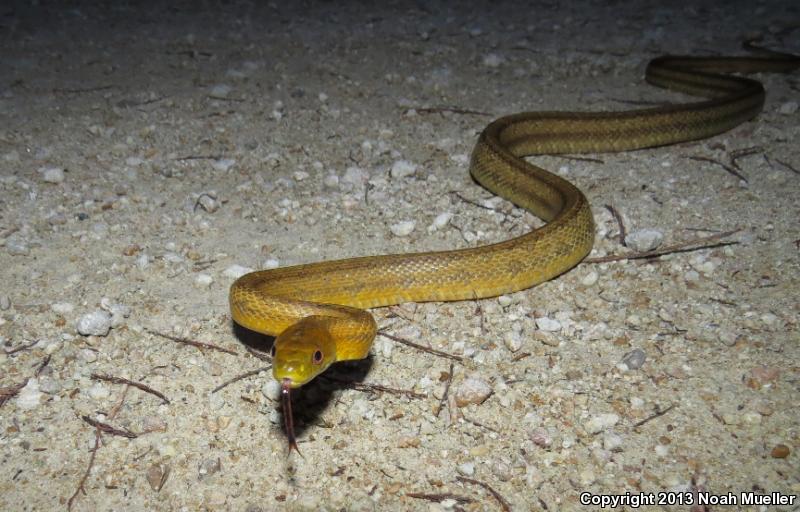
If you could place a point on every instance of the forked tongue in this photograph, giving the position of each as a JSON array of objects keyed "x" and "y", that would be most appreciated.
[{"x": 288, "y": 421}]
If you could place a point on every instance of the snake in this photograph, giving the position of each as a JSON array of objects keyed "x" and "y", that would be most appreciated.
[{"x": 318, "y": 311}]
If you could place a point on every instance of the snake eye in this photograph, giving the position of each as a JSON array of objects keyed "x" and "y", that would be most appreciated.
[
  {"x": 317, "y": 357},
  {"x": 272, "y": 351}
]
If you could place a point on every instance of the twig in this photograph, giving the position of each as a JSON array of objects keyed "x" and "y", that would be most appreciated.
[
  {"x": 657, "y": 414},
  {"x": 198, "y": 157},
  {"x": 81, "y": 489},
  {"x": 741, "y": 153},
  {"x": 505, "y": 505},
  {"x": 618, "y": 218},
  {"x": 98, "y": 437},
  {"x": 262, "y": 356},
  {"x": 446, "y": 391},
  {"x": 454, "y": 110},
  {"x": 440, "y": 497},
  {"x": 108, "y": 429},
  {"x": 362, "y": 386},
  {"x": 85, "y": 90},
  {"x": 787, "y": 166},
  {"x": 198, "y": 344},
  {"x": 240, "y": 377},
  {"x": 470, "y": 201},
  {"x": 695, "y": 244},
  {"x": 728, "y": 168},
  {"x": 422, "y": 347},
  {"x": 20, "y": 348},
  {"x": 139, "y": 385}
]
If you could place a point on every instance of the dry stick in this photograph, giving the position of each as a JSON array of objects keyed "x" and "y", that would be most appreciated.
[
  {"x": 446, "y": 391},
  {"x": 787, "y": 166},
  {"x": 262, "y": 356},
  {"x": 422, "y": 347},
  {"x": 658, "y": 414},
  {"x": 139, "y": 385},
  {"x": 741, "y": 153},
  {"x": 108, "y": 429},
  {"x": 198, "y": 344},
  {"x": 454, "y": 110},
  {"x": 22, "y": 347},
  {"x": 470, "y": 201},
  {"x": 618, "y": 218},
  {"x": 362, "y": 386},
  {"x": 98, "y": 437},
  {"x": 706, "y": 242},
  {"x": 440, "y": 497},
  {"x": 728, "y": 168},
  {"x": 240, "y": 377},
  {"x": 505, "y": 505}
]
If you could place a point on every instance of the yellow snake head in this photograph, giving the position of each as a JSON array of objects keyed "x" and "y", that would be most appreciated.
[{"x": 303, "y": 351}]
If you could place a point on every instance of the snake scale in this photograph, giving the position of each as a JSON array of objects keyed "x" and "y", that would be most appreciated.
[{"x": 317, "y": 311}]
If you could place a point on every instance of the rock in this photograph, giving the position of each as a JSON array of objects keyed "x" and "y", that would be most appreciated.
[
  {"x": 644, "y": 240},
  {"x": 96, "y": 323},
  {"x": 601, "y": 422},
  {"x": 472, "y": 391},
  {"x": 402, "y": 169},
  {"x": 634, "y": 359}
]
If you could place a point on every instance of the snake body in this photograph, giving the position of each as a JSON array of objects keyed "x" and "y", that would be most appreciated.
[{"x": 317, "y": 311}]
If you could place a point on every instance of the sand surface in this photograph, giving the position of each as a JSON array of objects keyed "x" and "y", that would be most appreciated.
[{"x": 149, "y": 154}]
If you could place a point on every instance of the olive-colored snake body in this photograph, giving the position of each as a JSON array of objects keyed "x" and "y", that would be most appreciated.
[{"x": 317, "y": 310}]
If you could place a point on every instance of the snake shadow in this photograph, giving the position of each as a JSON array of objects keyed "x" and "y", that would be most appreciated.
[{"x": 310, "y": 401}]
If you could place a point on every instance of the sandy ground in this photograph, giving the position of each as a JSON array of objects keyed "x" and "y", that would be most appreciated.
[{"x": 148, "y": 155}]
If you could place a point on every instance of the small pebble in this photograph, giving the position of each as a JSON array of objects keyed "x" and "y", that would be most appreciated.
[
  {"x": 441, "y": 221},
  {"x": 96, "y": 323},
  {"x": 355, "y": 176},
  {"x": 271, "y": 389},
  {"x": 601, "y": 422},
  {"x": 403, "y": 169},
  {"x": 788, "y": 108},
  {"x": 156, "y": 476},
  {"x": 512, "y": 341},
  {"x": 492, "y": 60},
  {"x": 52, "y": 174},
  {"x": 402, "y": 228},
  {"x": 17, "y": 246},
  {"x": 220, "y": 90},
  {"x": 62, "y": 308},
  {"x": 780, "y": 451},
  {"x": 300, "y": 175},
  {"x": 49, "y": 385},
  {"x": 611, "y": 440},
  {"x": 208, "y": 467},
  {"x": 466, "y": 469},
  {"x": 29, "y": 397},
  {"x": 98, "y": 391},
  {"x": 203, "y": 280},
  {"x": 5, "y": 302},
  {"x": 541, "y": 437},
  {"x": 634, "y": 359},
  {"x": 223, "y": 164},
  {"x": 331, "y": 181},
  {"x": 548, "y": 324},
  {"x": 472, "y": 391},
  {"x": 644, "y": 240},
  {"x": 208, "y": 202},
  {"x": 590, "y": 278}
]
